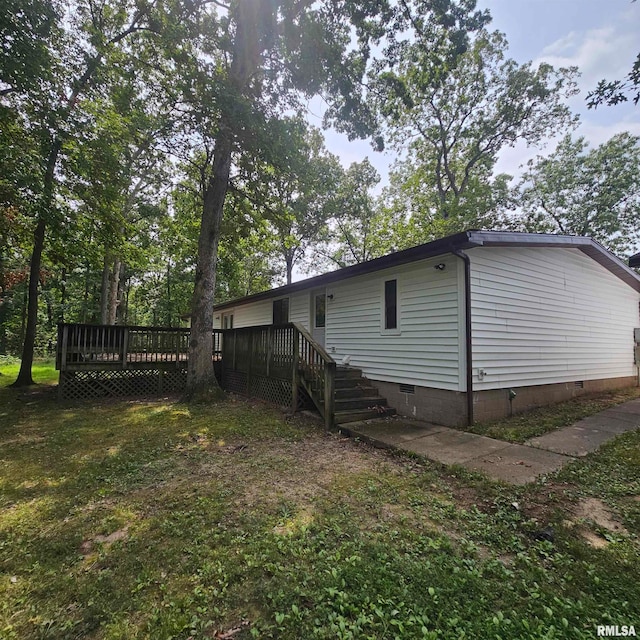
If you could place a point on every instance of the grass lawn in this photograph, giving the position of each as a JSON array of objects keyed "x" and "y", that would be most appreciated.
[
  {"x": 153, "y": 519},
  {"x": 537, "y": 422},
  {"x": 43, "y": 371}
]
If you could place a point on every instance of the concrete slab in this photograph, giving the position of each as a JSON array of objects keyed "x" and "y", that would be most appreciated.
[
  {"x": 572, "y": 441},
  {"x": 518, "y": 464},
  {"x": 605, "y": 416},
  {"x": 391, "y": 432},
  {"x": 633, "y": 406},
  {"x": 455, "y": 447},
  {"x": 615, "y": 422},
  {"x": 500, "y": 460}
]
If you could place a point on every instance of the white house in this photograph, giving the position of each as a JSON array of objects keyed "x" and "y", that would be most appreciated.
[{"x": 472, "y": 326}]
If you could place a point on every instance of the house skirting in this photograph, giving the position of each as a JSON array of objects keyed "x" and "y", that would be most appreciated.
[
  {"x": 494, "y": 403},
  {"x": 449, "y": 408},
  {"x": 444, "y": 407}
]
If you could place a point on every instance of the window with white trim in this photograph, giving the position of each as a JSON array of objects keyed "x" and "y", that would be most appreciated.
[
  {"x": 281, "y": 311},
  {"x": 391, "y": 304}
]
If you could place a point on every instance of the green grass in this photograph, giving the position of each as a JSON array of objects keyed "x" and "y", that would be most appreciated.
[
  {"x": 537, "y": 422},
  {"x": 153, "y": 519},
  {"x": 43, "y": 371}
]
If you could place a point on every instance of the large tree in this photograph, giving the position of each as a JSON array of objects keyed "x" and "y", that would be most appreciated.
[
  {"x": 47, "y": 81},
  {"x": 588, "y": 192},
  {"x": 264, "y": 59},
  {"x": 296, "y": 198},
  {"x": 360, "y": 225},
  {"x": 453, "y": 125}
]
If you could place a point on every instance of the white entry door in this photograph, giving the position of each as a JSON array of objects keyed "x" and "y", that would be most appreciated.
[{"x": 318, "y": 315}]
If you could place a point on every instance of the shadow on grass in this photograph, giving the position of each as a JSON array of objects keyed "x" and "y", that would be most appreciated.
[{"x": 154, "y": 519}]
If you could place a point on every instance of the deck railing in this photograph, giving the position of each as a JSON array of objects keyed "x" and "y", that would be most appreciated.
[
  {"x": 317, "y": 373},
  {"x": 85, "y": 346},
  {"x": 274, "y": 361},
  {"x": 271, "y": 361}
]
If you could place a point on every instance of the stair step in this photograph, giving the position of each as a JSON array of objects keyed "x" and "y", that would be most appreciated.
[
  {"x": 362, "y": 414},
  {"x": 356, "y": 392},
  {"x": 367, "y": 402},
  {"x": 350, "y": 372},
  {"x": 348, "y": 383}
]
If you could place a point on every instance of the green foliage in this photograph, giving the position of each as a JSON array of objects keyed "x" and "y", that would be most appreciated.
[
  {"x": 454, "y": 127},
  {"x": 26, "y": 32},
  {"x": 361, "y": 227},
  {"x": 294, "y": 192},
  {"x": 613, "y": 92},
  {"x": 592, "y": 192}
]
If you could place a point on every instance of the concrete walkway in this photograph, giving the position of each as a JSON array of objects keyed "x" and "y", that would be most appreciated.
[{"x": 514, "y": 463}]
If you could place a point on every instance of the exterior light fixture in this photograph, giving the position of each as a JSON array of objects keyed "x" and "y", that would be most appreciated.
[{"x": 441, "y": 266}]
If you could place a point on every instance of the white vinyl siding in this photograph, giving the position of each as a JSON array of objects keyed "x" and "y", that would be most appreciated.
[
  {"x": 261, "y": 312},
  {"x": 426, "y": 350},
  {"x": 253, "y": 314},
  {"x": 299, "y": 308},
  {"x": 548, "y": 315}
]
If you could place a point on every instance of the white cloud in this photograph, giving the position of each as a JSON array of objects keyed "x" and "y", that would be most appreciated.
[
  {"x": 596, "y": 134},
  {"x": 606, "y": 52}
]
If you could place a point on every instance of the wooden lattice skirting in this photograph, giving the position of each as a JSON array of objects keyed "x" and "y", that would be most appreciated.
[
  {"x": 277, "y": 391},
  {"x": 80, "y": 385}
]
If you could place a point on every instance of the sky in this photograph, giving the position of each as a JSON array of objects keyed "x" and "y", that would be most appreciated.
[{"x": 600, "y": 37}]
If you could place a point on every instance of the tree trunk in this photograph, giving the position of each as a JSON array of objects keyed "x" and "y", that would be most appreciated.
[
  {"x": 63, "y": 294},
  {"x": 169, "y": 304},
  {"x": 125, "y": 311},
  {"x": 23, "y": 311},
  {"x": 110, "y": 288},
  {"x": 114, "y": 288},
  {"x": 85, "y": 293},
  {"x": 122, "y": 285},
  {"x": 24, "y": 378},
  {"x": 49, "y": 305},
  {"x": 104, "y": 290},
  {"x": 288, "y": 258},
  {"x": 201, "y": 380}
]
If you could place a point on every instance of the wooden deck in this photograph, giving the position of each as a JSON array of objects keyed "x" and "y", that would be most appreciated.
[
  {"x": 83, "y": 347},
  {"x": 276, "y": 363}
]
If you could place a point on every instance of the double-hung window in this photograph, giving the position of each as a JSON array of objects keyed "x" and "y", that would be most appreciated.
[
  {"x": 390, "y": 319},
  {"x": 391, "y": 304},
  {"x": 281, "y": 311}
]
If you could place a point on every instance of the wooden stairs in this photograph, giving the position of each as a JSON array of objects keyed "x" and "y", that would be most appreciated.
[{"x": 356, "y": 398}]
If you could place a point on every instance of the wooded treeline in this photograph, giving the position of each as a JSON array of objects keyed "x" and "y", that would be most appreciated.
[{"x": 157, "y": 155}]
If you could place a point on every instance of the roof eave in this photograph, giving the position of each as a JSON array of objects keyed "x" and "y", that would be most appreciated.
[
  {"x": 463, "y": 240},
  {"x": 421, "y": 252}
]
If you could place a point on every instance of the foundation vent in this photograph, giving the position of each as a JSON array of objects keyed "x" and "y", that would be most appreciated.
[
  {"x": 408, "y": 388},
  {"x": 579, "y": 384}
]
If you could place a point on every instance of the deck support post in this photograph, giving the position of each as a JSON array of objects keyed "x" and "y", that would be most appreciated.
[
  {"x": 295, "y": 380},
  {"x": 252, "y": 355},
  {"x": 62, "y": 362},
  {"x": 125, "y": 347},
  {"x": 269, "y": 354},
  {"x": 329, "y": 393}
]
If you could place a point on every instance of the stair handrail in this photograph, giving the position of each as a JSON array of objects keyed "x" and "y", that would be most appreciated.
[
  {"x": 318, "y": 373},
  {"x": 317, "y": 346}
]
